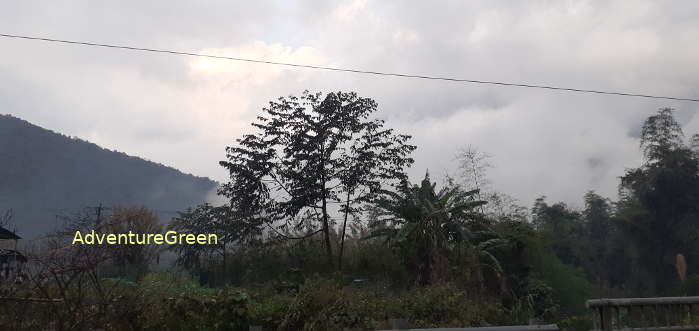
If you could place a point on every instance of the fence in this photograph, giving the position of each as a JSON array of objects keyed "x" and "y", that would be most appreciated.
[
  {"x": 549, "y": 327},
  {"x": 651, "y": 314}
]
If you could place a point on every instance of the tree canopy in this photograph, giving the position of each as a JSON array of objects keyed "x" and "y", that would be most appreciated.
[{"x": 312, "y": 155}]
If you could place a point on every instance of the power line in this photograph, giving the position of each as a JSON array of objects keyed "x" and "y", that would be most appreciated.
[{"x": 357, "y": 71}]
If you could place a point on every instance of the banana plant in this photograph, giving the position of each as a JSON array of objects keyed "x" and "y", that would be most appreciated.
[{"x": 425, "y": 224}]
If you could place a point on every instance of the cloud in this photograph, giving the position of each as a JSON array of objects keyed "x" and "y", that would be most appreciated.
[{"x": 183, "y": 111}]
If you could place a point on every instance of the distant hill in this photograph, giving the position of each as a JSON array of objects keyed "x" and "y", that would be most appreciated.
[{"x": 43, "y": 173}]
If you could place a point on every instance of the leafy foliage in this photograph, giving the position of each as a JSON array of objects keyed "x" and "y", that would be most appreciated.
[
  {"x": 428, "y": 225},
  {"x": 660, "y": 203},
  {"x": 135, "y": 220},
  {"x": 311, "y": 152},
  {"x": 434, "y": 256}
]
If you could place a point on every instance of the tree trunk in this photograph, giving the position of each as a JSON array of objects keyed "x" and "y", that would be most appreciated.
[
  {"x": 326, "y": 230},
  {"x": 424, "y": 269},
  {"x": 344, "y": 228},
  {"x": 326, "y": 222}
]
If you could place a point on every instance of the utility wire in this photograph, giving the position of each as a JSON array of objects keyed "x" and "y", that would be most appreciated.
[{"x": 357, "y": 71}]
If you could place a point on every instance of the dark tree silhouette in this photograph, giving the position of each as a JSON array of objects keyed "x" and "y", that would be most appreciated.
[
  {"x": 660, "y": 201},
  {"x": 311, "y": 155}
]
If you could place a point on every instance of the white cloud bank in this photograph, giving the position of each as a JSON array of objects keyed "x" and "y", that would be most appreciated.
[{"x": 183, "y": 111}]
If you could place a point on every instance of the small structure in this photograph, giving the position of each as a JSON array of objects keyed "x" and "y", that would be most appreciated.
[
  {"x": 8, "y": 239},
  {"x": 11, "y": 261}
]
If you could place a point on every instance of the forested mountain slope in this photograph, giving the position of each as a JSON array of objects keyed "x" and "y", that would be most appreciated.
[{"x": 44, "y": 173}]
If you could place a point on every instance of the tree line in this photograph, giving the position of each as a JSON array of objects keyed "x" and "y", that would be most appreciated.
[
  {"x": 320, "y": 165},
  {"x": 322, "y": 220}
]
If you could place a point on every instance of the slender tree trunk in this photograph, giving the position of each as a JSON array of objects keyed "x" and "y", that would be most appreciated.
[
  {"x": 344, "y": 228},
  {"x": 326, "y": 222},
  {"x": 326, "y": 233},
  {"x": 424, "y": 273},
  {"x": 326, "y": 226}
]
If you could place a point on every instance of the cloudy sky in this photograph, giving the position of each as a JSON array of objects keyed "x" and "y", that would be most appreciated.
[{"x": 183, "y": 111}]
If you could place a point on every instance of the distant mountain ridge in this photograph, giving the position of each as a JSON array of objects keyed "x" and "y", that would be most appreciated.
[{"x": 44, "y": 173}]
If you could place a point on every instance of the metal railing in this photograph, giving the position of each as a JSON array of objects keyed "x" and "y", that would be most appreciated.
[
  {"x": 670, "y": 313},
  {"x": 548, "y": 327}
]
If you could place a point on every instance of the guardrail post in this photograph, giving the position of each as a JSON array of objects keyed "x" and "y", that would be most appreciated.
[
  {"x": 398, "y": 323},
  {"x": 606, "y": 318}
]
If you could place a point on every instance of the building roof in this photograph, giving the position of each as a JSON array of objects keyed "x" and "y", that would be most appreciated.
[
  {"x": 8, "y": 255},
  {"x": 7, "y": 234}
]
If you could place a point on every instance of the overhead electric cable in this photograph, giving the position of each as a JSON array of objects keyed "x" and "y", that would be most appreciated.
[{"x": 357, "y": 71}]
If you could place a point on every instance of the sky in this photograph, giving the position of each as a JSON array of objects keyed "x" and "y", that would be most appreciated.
[{"x": 183, "y": 111}]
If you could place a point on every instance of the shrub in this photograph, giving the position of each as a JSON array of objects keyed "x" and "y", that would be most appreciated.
[
  {"x": 324, "y": 304},
  {"x": 226, "y": 310}
]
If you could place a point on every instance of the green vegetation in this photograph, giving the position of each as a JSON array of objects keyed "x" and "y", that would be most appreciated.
[{"x": 324, "y": 231}]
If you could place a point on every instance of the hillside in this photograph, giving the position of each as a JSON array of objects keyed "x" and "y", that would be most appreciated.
[{"x": 44, "y": 173}]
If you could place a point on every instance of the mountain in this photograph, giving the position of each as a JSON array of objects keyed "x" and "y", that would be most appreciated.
[{"x": 44, "y": 174}]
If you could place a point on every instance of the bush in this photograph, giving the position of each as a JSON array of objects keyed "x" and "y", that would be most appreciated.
[
  {"x": 323, "y": 304},
  {"x": 447, "y": 306},
  {"x": 269, "y": 312},
  {"x": 226, "y": 310}
]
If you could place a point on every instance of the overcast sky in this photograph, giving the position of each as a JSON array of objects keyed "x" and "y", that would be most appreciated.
[{"x": 183, "y": 111}]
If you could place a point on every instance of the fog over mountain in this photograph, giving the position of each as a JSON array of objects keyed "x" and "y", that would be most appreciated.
[
  {"x": 183, "y": 111},
  {"x": 44, "y": 174}
]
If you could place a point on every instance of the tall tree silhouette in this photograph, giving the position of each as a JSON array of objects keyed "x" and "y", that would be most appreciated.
[
  {"x": 660, "y": 200},
  {"x": 311, "y": 156}
]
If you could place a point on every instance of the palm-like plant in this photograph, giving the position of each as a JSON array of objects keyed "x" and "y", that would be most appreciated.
[{"x": 426, "y": 225}]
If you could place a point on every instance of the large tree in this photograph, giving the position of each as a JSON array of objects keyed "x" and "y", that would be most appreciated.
[
  {"x": 659, "y": 208},
  {"x": 312, "y": 162}
]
